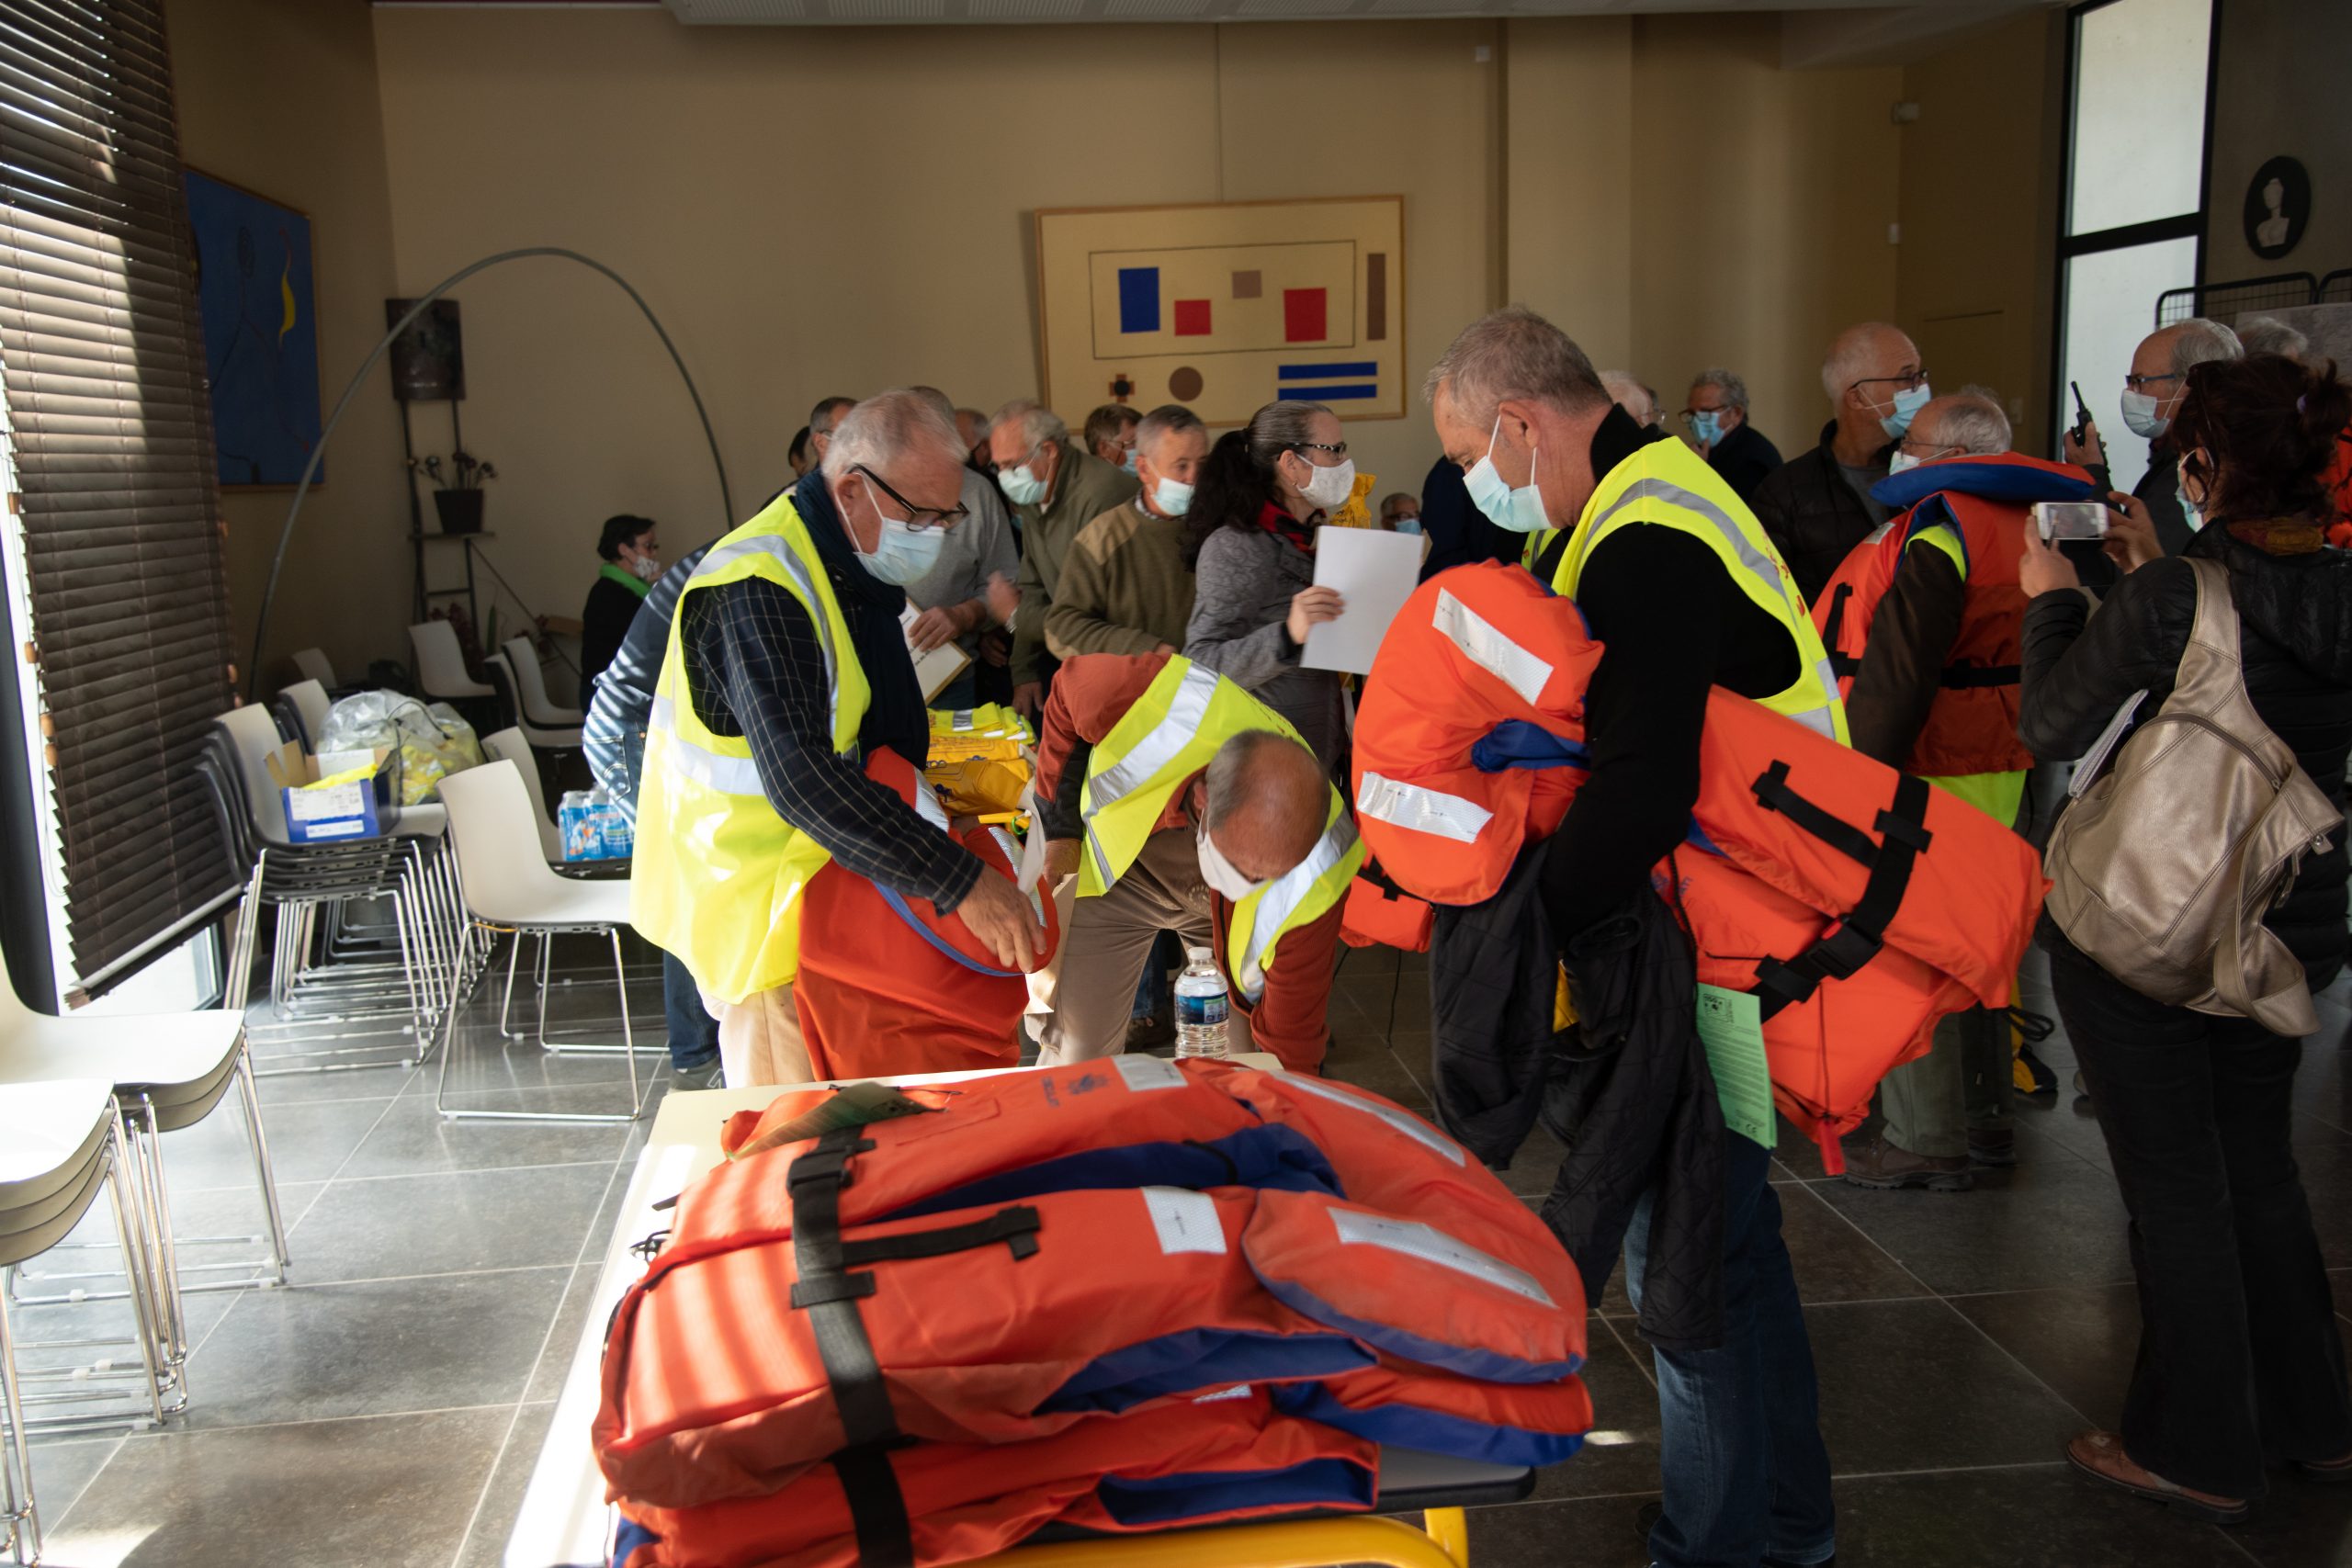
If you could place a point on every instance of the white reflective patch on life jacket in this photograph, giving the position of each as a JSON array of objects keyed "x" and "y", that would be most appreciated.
[
  {"x": 1422, "y": 810},
  {"x": 1485, "y": 645},
  {"x": 927, "y": 803},
  {"x": 1143, "y": 1073},
  {"x": 1239, "y": 1391},
  {"x": 1430, "y": 1245},
  {"x": 1403, "y": 1121},
  {"x": 1186, "y": 1222}
]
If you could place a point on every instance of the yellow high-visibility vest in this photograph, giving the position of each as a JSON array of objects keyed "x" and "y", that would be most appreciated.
[
  {"x": 1168, "y": 735},
  {"x": 1665, "y": 483},
  {"x": 717, "y": 873}
]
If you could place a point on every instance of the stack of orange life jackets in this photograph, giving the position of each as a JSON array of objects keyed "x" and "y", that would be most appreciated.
[
  {"x": 1859, "y": 904},
  {"x": 1120, "y": 1295}
]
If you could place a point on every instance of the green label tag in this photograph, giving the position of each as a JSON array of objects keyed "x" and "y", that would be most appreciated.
[{"x": 1731, "y": 1026}]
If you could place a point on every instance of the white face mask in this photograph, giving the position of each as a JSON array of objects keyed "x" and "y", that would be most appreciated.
[
  {"x": 1328, "y": 488},
  {"x": 647, "y": 567},
  {"x": 1219, "y": 873},
  {"x": 1172, "y": 497}
]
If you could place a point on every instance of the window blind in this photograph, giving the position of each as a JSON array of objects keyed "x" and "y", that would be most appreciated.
[{"x": 102, "y": 358}]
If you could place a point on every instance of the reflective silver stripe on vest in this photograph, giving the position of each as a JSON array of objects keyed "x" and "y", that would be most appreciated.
[
  {"x": 774, "y": 546},
  {"x": 1282, "y": 896},
  {"x": 1430, "y": 1245},
  {"x": 1763, "y": 568},
  {"x": 927, "y": 803},
  {"x": 1423, "y": 810},
  {"x": 712, "y": 770},
  {"x": 1187, "y": 711},
  {"x": 1485, "y": 645}
]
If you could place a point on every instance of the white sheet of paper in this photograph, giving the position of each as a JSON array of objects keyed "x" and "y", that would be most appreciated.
[
  {"x": 935, "y": 669},
  {"x": 1375, "y": 572}
]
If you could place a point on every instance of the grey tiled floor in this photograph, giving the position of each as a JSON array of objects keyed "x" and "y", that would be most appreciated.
[{"x": 387, "y": 1407}]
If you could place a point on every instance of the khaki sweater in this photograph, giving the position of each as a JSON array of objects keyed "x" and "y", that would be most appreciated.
[{"x": 1125, "y": 586}]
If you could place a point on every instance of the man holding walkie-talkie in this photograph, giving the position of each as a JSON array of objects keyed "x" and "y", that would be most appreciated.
[{"x": 2152, "y": 390}]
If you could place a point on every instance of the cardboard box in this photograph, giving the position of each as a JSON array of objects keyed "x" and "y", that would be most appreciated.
[{"x": 340, "y": 812}]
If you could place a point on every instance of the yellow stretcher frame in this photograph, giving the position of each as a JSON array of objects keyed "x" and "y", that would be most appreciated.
[{"x": 1304, "y": 1543}]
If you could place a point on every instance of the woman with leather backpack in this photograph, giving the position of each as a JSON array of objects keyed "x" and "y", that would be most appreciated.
[{"x": 2241, "y": 1357}]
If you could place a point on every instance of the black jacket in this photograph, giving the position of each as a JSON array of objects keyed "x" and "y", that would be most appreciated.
[
  {"x": 2295, "y": 613},
  {"x": 1743, "y": 458},
  {"x": 1626, "y": 1088},
  {"x": 1812, "y": 514},
  {"x": 603, "y": 624}
]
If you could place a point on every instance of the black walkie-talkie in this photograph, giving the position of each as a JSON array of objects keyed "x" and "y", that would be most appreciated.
[{"x": 2082, "y": 415}]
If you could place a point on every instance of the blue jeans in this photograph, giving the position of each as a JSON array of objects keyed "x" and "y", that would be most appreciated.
[
  {"x": 1740, "y": 1455},
  {"x": 694, "y": 1034}
]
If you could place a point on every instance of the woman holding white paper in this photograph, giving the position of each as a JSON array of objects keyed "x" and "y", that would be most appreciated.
[{"x": 1263, "y": 494}]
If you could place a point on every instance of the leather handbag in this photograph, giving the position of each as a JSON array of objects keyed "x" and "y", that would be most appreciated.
[{"x": 2165, "y": 863}]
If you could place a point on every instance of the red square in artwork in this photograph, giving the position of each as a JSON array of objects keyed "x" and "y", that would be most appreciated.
[
  {"x": 1192, "y": 317},
  {"x": 1304, "y": 315}
]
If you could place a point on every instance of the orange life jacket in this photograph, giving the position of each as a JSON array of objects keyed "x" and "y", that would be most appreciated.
[
  {"x": 1972, "y": 726},
  {"x": 887, "y": 984},
  {"x": 1230, "y": 1458},
  {"x": 1379, "y": 912},
  {"x": 1079, "y": 1246},
  {"x": 1857, "y": 903}
]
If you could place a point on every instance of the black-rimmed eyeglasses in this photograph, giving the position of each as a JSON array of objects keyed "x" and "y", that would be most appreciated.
[{"x": 918, "y": 518}]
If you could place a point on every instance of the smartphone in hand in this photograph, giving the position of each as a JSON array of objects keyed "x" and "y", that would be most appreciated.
[{"x": 2057, "y": 520}]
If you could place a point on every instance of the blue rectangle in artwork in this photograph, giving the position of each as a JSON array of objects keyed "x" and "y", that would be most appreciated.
[
  {"x": 1320, "y": 372},
  {"x": 1327, "y": 394},
  {"x": 1138, "y": 299}
]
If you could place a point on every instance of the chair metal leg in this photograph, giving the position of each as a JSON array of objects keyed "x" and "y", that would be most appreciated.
[
  {"x": 628, "y": 1047},
  {"x": 507, "y": 1001},
  {"x": 18, "y": 1511}
]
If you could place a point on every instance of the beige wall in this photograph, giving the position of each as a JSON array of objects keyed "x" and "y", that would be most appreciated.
[
  {"x": 2279, "y": 88},
  {"x": 279, "y": 97},
  {"x": 1980, "y": 193}
]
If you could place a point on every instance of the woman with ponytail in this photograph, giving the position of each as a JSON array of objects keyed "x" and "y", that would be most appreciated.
[
  {"x": 2241, "y": 1356},
  {"x": 1263, "y": 494}
]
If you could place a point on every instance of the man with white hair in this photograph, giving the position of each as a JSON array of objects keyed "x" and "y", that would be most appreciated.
[
  {"x": 786, "y": 665},
  {"x": 1935, "y": 692},
  {"x": 1629, "y": 395},
  {"x": 1817, "y": 506},
  {"x": 2268, "y": 335},
  {"x": 1715, "y": 414},
  {"x": 1684, "y": 593},
  {"x": 2153, "y": 389},
  {"x": 1056, "y": 490}
]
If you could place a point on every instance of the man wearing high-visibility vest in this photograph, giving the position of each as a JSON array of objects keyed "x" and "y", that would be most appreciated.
[
  {"x": 1679, "y": 584},
  {"x": 1182, "y": 803},
  {"x": 786, "y": 667}
]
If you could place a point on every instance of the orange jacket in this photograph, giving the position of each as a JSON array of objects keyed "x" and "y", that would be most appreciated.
[
  {"x": 1857, "y": 904},
  {"x": 1972, "y": 726},
  {"x": 887, "y": 985}
]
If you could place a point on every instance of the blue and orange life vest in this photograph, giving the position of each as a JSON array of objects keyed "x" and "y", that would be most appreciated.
[
  {"x": 1061, "y": 1251},
  {"x": 1975, "y": 510},
  {"x": 887, "y": 985},
  {"x": 1856, "y": 903}
]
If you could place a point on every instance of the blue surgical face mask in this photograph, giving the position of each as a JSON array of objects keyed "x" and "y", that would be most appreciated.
[
  {"x": 1517, "y": 508},
  {"x": 1708, "y": 425},
  {"x": 1021, "y": 486},
  {"x": 1908, "y": 404},
  {"x": 2140, "y": 414},
  {"x": 2190, "y": 509},
  {"x": 1172, "y": 497},
  {"x": 1128, "y": 462},
  {"x": 1407, "y": 524},
  {"x": 900, "y": 554}
]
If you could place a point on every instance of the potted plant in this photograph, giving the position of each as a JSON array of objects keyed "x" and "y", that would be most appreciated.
[{"x": 457, "y": 492}]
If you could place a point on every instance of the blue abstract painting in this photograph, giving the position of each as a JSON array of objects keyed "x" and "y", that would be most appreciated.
[{"x": 261, "y": 331}]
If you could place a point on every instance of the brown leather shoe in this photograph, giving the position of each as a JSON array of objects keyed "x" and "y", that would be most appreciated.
[
  {"x": 2328, "y": 1471},
  {"x": 2100, "y": 1455},
  {"x": 1992, "y": 1145},
  {"x": 1151, "y": 1033},
  {"x": 1889, "y": 1167}
]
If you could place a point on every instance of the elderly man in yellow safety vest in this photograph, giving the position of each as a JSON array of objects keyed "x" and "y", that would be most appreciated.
[
  {"x": 1185, "y": 804},
  {"x": 786, "y": 667}
]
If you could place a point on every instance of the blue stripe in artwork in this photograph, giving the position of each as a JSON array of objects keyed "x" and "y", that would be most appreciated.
[
  {"x": 1317, "y": 372},
  {"x": 1138, "y": 299},
  {"x": 1326, "y": 394}
]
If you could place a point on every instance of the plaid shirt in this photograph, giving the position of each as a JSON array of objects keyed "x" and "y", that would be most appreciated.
[{"x": 756, "y": 668}]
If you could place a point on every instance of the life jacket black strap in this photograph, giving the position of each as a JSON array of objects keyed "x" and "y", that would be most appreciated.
[
  {"x": 877, "y": 1506},
  {"x": 1860, "y": 936},
  {"x": 1967, "y": 677},
  {"x": 1841, "y": 664}
]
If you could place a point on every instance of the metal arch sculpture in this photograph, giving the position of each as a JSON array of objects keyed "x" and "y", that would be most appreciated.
[{"x": 310, "y": 471}]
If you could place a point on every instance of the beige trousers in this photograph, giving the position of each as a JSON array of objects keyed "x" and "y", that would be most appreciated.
[{"x": 758, "y": 1039}]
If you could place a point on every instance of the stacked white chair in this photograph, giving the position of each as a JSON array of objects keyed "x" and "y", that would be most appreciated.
[
  {"x": 510, "y": 888},
  {"x": 60, "y": 1143},
  {"x": 531, "y": 687},
  {"x": 314, "y": 664},
  {"x": 310, "y": 704},
  {"x": 441, "y": 664}
]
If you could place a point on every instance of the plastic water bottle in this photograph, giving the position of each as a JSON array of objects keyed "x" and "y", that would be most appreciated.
[{"x": 1200, "y": 1005}]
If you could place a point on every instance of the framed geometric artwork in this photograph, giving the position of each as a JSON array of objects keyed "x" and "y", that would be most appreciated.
[
  {"x": 1226, "y": 305},
  {"x": 255, "y": 296}
]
